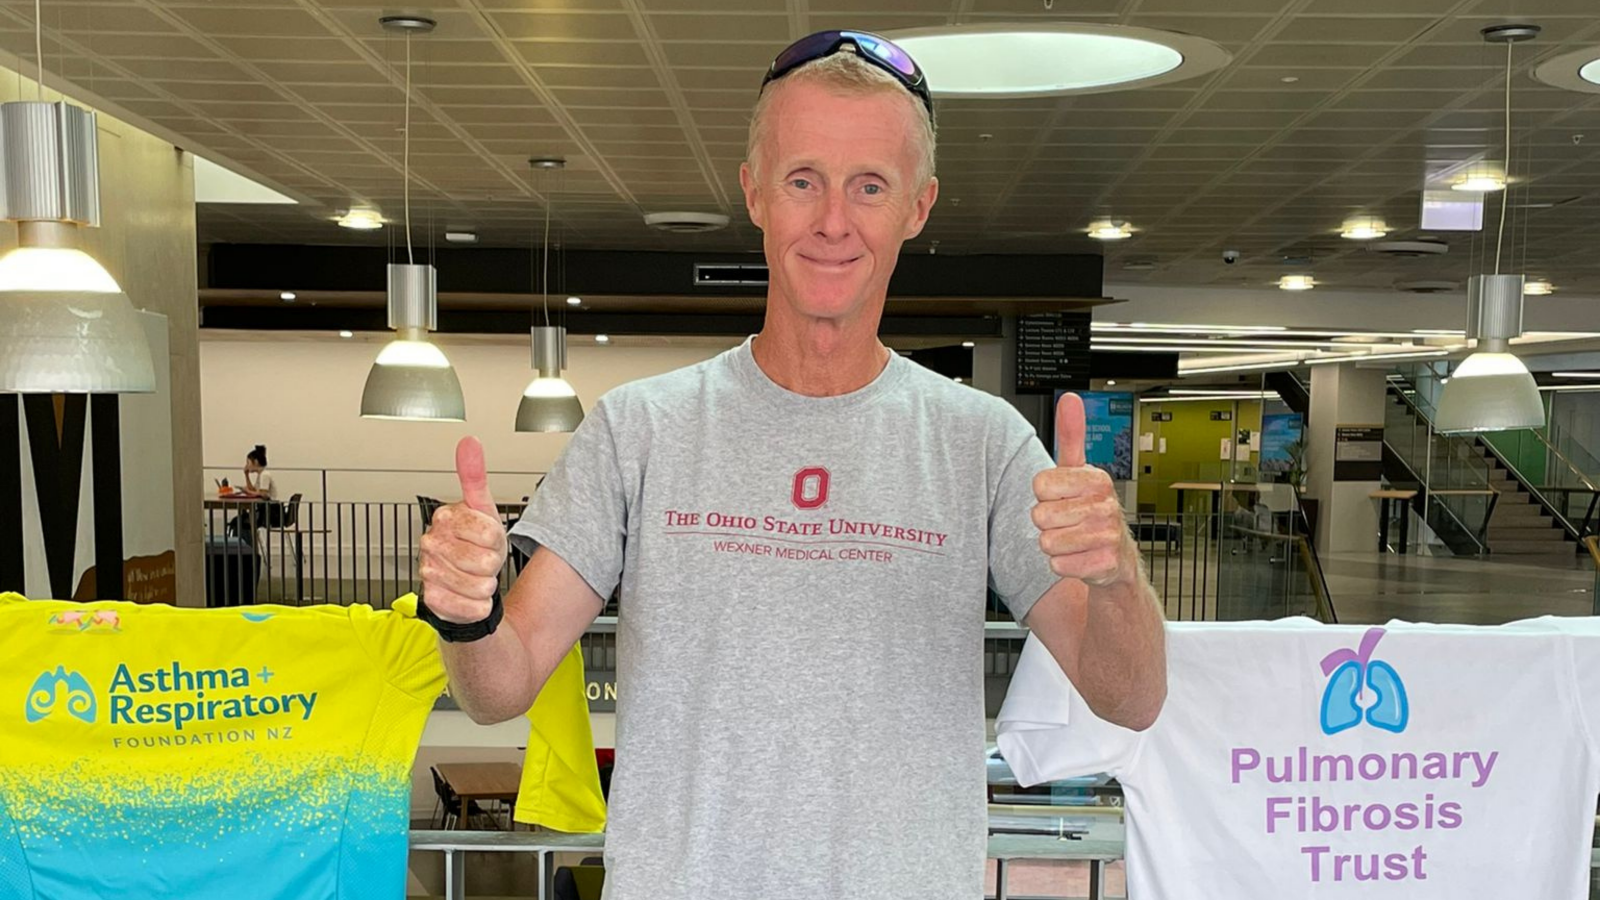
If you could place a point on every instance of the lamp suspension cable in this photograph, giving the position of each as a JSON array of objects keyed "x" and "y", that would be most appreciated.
[
  {"x": 405, "y": 153},
  {"x": 38, "y": 49},
  {"x": 1505, "y": 191},
  {"x": 545, "y": 279}
]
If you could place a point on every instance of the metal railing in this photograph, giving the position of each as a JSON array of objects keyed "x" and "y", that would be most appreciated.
[
  {"x": 1451, "y": 475},
  {"x": 301, "y": 552},
  {"x": 374, "y": 485},
  {"x": 1098, "y": 849}
]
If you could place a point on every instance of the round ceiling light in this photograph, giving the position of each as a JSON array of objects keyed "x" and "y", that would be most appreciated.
[
  {"x": 1008, "y": 60},
  {"x": 1296, "y": 283},
  {"x": 1480, "y": 183},
  {"x": 361, "y": 220},
  {"x": 1110, "y": 230},
  {"x": 1538, "y": 288},
  {"x": 1575, "y": 71},
  {"x": 1365, "y": 229}
]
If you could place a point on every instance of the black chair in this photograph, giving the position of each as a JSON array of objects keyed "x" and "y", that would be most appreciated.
[
  {"x": 428, "y": 506},
  {"x": 450, "y": 802}
]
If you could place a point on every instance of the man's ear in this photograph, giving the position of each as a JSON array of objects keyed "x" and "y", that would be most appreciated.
[
  {"x": 923, "y": 205},
  {"x": 747, "y": 182}
]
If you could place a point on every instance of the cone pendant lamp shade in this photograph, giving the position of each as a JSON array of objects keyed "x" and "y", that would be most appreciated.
[
  {"x": 1491, "y": 390},
  {"x": 65, "y": 324},
  {"x": 549, "y": 404},
  {"x": 411, "y": 378}
]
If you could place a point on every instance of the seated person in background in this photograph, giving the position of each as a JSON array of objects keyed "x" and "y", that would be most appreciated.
[{"x": 257, "y": 479}]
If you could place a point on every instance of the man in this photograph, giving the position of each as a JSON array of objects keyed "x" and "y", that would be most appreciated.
[{"x": 803, "y": 529}]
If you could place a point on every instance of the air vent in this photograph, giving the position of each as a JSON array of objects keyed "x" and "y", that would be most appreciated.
[
  {"x": 1409, "y": 249},
  {"x": 686, "y": 222},
  {"x": 1426, "y": 286},
  {"x": 729, "y": 274}
]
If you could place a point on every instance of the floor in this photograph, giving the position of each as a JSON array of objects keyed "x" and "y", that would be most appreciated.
[{"x": 1369, "y": 588}]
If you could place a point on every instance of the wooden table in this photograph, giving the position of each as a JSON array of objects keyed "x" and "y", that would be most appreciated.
[
  {"x": 481, "y": 781},
  {"x": 1215, "y": 489},
  {"x": 1383, "y": 518}
]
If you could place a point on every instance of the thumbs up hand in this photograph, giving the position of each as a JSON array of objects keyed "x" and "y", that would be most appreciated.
[
  {"x": 465, "y": 546},
  {"x": 1080, "y": 521}
]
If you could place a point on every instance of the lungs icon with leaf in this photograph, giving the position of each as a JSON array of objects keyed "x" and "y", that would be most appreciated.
[{"x": 1353, "y": 677}]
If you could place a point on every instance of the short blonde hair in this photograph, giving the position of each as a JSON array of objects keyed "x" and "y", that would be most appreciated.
[{"x": 846, "y": 73}]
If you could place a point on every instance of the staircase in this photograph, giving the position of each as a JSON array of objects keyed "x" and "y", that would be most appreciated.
[{"x": 1519, "y": 525}]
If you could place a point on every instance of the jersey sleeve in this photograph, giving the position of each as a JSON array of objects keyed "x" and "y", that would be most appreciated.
[
  {"x": 580, "y": 513},
  {"x": 1046, "y": 731},
  {"x": 403, "y": 646},
  {"x": 1018, "y": 570}
]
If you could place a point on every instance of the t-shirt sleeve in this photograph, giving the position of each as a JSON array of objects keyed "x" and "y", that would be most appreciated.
[
  {"x": 1018, "y": 570},
  {"x": 403, "y": 646},
  {"x": 580, "y": 513},
  {"x": 1046, "y": 731},
  {"x": 1582, "y": 636}
]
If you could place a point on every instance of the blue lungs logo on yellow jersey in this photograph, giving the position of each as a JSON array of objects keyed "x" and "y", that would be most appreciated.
[
  {"x": 1360, "y": 687},
  {"x": 61, "y": 689}
]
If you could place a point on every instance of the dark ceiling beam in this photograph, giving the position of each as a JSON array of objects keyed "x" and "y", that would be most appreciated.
[{"x": 495, "y": 270}]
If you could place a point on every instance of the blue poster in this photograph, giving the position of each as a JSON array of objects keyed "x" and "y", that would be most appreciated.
[
  {"x": 1108, "y": 442},
  {"x": 1279, "y": 431}
]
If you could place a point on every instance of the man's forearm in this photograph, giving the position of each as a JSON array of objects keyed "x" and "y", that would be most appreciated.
[
  {"x": 1124, "y": 656},
  {"x": 491, "y": 679}
]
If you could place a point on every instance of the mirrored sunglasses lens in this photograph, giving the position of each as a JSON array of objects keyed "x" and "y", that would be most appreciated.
[
  {"x": 805, "y": 50},
  {"x": 887, "y": 52}
]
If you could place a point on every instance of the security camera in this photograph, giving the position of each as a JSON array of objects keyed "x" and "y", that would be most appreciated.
[{"x": 1230, "y": 256}]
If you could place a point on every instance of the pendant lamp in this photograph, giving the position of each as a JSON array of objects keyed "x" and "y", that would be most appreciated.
[
  {"x": 411, "y": 378},
  {"x": 549, "y": 403},
  {"x": 1491, "y": 390},
  {"x": 65, "y": 324}
]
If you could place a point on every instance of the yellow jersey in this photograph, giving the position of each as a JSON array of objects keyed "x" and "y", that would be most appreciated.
[{"x": 256, "y": 752}]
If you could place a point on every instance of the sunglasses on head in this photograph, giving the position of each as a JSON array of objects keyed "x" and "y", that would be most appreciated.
[{"x": 879, "y": 51}]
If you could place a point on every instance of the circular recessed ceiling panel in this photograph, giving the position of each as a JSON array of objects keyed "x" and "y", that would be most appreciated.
[
  {"x": 1575, "y": 71},
  {"x": 1000, "y": 61}
]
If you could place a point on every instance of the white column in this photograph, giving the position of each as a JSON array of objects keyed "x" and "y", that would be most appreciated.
[{"x": 1347, "y": 517}]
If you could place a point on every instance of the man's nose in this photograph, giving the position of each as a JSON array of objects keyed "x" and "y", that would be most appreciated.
[{"x": 833, "y": 216}]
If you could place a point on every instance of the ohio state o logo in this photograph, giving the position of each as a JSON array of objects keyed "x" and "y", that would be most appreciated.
[{"x": 810, "y": 488}]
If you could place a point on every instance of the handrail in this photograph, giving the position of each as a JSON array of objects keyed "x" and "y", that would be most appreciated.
[
  {"x": 1097, "y": 850},
  {"x": 1427, "y": 490},
  {"x": 1559, "y": 514},
  {"x": 1571, "y": 466}
]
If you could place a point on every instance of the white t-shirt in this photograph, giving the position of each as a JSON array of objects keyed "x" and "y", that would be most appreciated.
[
  {"x": 1467, "y": 769},
  {"x": 264, "y": 484}
]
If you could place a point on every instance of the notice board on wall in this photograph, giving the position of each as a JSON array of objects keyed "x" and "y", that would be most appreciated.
[
  {"x": 1052, "y": 352},
  {"x": 1358, "y": 453}
]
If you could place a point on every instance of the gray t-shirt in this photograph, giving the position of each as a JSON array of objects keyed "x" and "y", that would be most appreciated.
[{"x": 800, "y": 630}]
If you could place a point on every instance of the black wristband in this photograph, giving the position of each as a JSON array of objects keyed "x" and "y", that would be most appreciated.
[{"x": 457, "y": 633}]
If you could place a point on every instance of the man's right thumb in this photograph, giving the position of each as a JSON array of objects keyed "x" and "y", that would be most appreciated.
[{"x": 474, "y": 476}]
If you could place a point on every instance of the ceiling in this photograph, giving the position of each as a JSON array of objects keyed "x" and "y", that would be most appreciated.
[{"x": 648, "y": 101}]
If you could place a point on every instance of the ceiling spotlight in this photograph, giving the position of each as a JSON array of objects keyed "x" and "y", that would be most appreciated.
[
  {"x": 1537, "y": 288},
  {"x": 968, "y": 344},
  {"x": 361, "y": 220},
  {"x": 347, "y": 334},
  {"x": 574, "y": 301},
  {"x": 286, "y": 296},
  {"x": 1480, "y": 183},
  {"x": 602, "y": 339},
  {"x": 1110, "y": 383},
  {"x": 957, "y": 379},
  {"x": 1590, "y": 71},
  {"x": 1296, "y": 283},
  {"x": 1364, "y": 229},
  {"x": 461, "y": 237},
  {"x": 1110, "y": 230}
]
